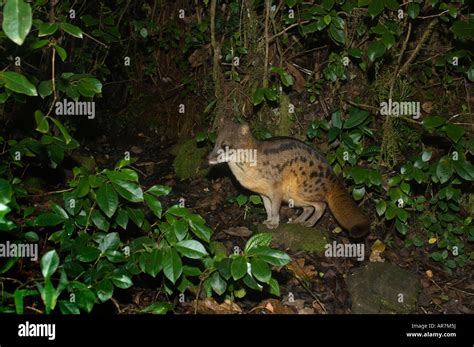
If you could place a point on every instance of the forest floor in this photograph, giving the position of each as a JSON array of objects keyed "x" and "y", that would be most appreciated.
[{"x": 314, "y": 283}]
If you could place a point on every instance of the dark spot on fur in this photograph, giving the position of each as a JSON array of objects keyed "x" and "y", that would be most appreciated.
[
  {"x": 313, "y": 174},
  {"x": 303, "y": 159},
  {"x": 311, "y": 163},
  {"x": 321, "y": 174}
]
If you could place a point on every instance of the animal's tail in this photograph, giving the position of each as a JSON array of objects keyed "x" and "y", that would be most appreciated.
[{"x": 346, "y": 212}]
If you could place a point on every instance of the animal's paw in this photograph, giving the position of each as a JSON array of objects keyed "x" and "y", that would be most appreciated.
[
  {"x": 271, "y": 223},
  {"x": 307, "y": 224}
]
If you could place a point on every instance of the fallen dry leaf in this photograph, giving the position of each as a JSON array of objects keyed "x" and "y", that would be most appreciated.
[
  {"x": 211, "y": 306},
  {"x": 274, "y": 306},
  {"x": 239, "y": 231},
  {"x": 299, "y": 79},
  {"x": 427, "y": 106},
  {"x": 300, "y": 270}
]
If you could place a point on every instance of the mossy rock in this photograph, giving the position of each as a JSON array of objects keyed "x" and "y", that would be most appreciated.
[
  {"x": 297, "y": 237},
  {"x": 189, "y": 160},
  {"x": 383, "y": 288}
]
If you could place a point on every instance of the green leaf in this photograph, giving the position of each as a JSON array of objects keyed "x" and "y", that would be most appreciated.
[
  {"x": 327, "y": 4},
  {"x": 89, "y": 86},
  {"x": 100, "y": 221},
  {"x": 45, "y": 88},
  {"x": 241, "y": 199},
  {"x": 121, "y": 279},
  {"x": 105, "y": 290},
  {"x": 464, "y": 169},
  {"x": 357, "y": 117},
  {"x": 391, "y": 4},
  {"x": 355, "y": 52},
  {"x": 123, "y": 174},
  {"x": 251, "y": 283},
  {"x": 107, "y": 199},
  {"x": 61, "y": 52},
  {"x": 327, "y": 19},
  {"x": 62, "y": 129},
  {"x": 16, "y": 82},
  {"x": 49, "y": 295},
  {"x": 337, "y": 35},
  {"x": 152, "y": 262},
  {"x": 17, "y": 19},
  {"x": 136, "y": 215},
  {"x": 218, "y": 284},
  {"x": 191, "y": 248},
  {"x": 159, "y": 190},
  {"x": 128, "y": 190},
  {"x": 454, "y": 132},
  {"x": 358, "y": 193},
  {"x": 238, "y": 267},
  {"x": 376, "y": 50},
  {"x": 122, "y": 219},
  {"x": 431, "y": 122},
  {"x": 157, "y": 308},
  {"x": 336, "y": 119},
  {"x": 271, "y": 256},
  {"x": 201, "y": 231},
  {"x": 274, "y": 287},
  {"x": 46, "y": 29},
  {"x": 87, "y": 254},
  {"x": 49, "y": 263},
  {"x": 388, "y": 40},
  {"x": 444, "y": 170},
  {"x": 375, "y": 7},
  {"x": 463, "y": 30},
  {"x": 258, "y": 96},
  {"x": 426, "y": 155},
  {"x": 413, "y": 10},
  {"x": 110, "y": 242},
  {"x": 255, "y": 199},
  {"x": 68, "y": 307},
  {"x": 260, "y": 270},
  {"x": 172, "y": 265},
  {"x": 381, "y": 207},
  {"x": 82, "y": 188},
  {"x": 271, "y": 94},
  {"x": 154, "y": 204},
  {"x": 6, "y": 192},
  {"x": 48, "y": 219},
  {"x": 262, "y": 239},
  {"x": 71, "y": 30},
  {"x": 39, "y": 44},
  {"x": 402, "y": 215}
]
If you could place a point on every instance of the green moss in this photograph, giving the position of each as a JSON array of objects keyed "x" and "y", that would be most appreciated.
[
  {"x": 297, "y": 237},
  {"x": 189, "y": 160}
]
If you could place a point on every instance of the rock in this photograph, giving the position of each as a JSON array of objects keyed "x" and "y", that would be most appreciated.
[
  {"x": 297, "y": 237},
  {"x": 383, "y": 288}
]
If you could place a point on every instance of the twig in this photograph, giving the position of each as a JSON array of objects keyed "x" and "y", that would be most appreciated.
[
  {"x": 52, "y": 193},
  {"x": 433, "y": 15},
  {"x": 424, "y": 37},
  {"x": 287, "y": 28},
  {"x": 94, "y": 39},
  {"x": 267, "y": 44}
]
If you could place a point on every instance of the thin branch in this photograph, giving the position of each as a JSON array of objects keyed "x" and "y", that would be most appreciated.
[
  {"x": 286, "y": 29},
  {"x": 267, "y": 44}
]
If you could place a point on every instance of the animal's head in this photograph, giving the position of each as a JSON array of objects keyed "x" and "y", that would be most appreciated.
[{"x": 230, "y": 136}]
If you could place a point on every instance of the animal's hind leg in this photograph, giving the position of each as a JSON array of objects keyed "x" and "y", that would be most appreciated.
[
  {"x": 307, "y": 211},
  {"x": 319, "y": 208}
]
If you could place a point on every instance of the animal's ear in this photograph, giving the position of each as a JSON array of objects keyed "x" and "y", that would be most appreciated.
[{"x": 244, "y": 129}]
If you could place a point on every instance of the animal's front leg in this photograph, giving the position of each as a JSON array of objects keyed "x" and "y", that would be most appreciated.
[
  {"x": 268, "y": 208},
  {"x": 273, "y": 219}
]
